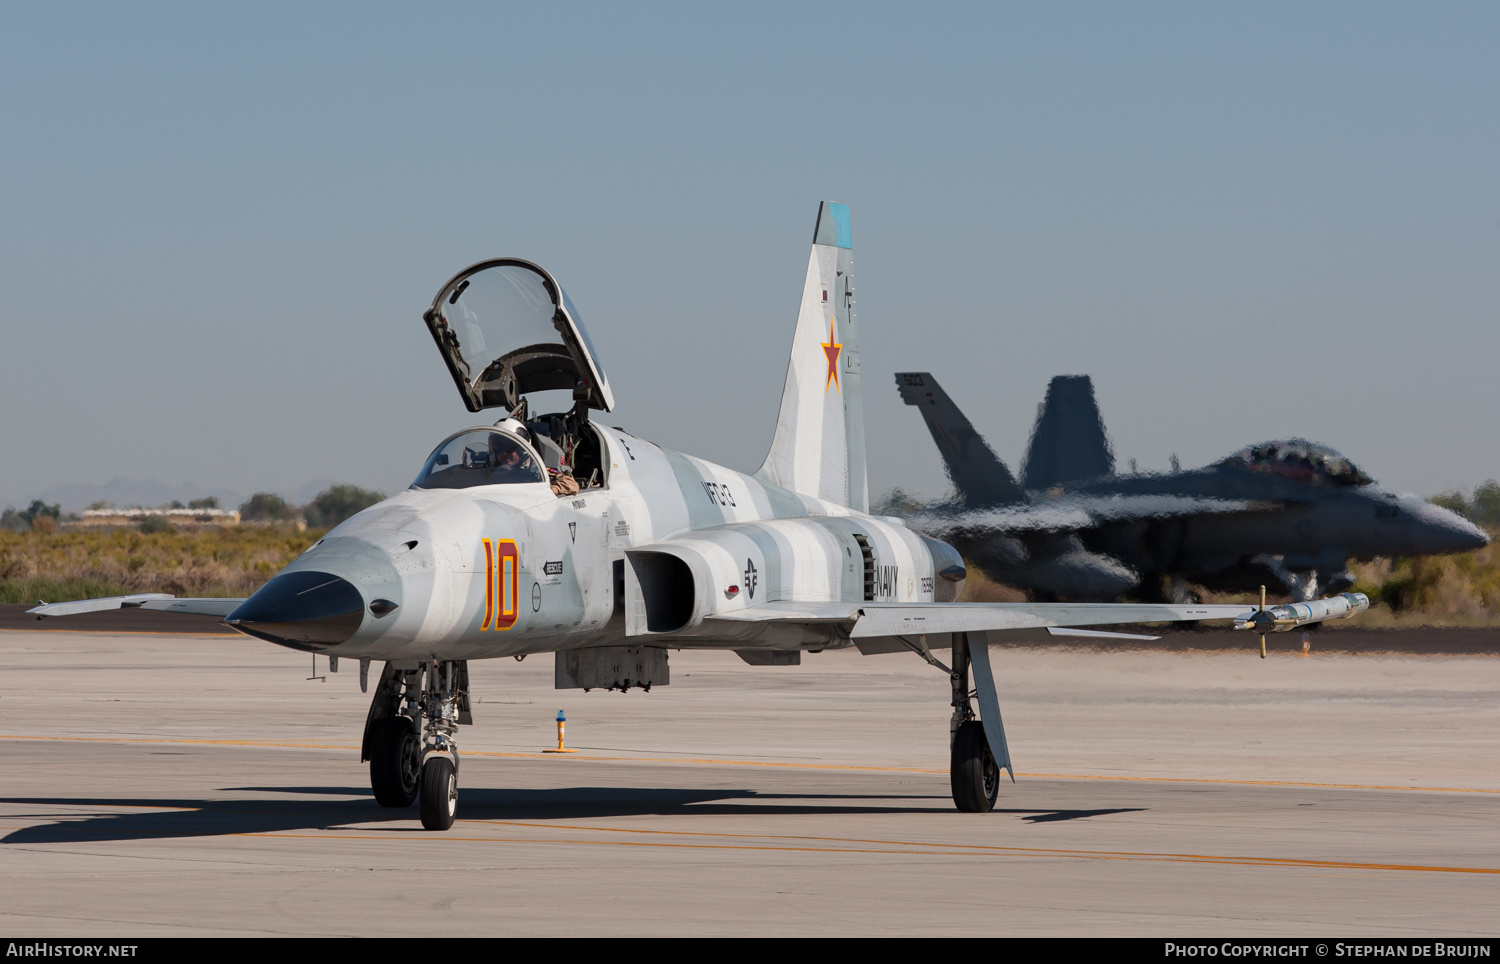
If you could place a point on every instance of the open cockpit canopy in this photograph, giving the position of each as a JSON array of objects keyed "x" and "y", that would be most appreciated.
[
  {"x": 1300, "y": 460},
  {"x": 506, "y": 328}
]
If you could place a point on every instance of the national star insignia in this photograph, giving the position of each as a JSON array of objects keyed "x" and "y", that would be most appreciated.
[{"x": 832, "y": 349}]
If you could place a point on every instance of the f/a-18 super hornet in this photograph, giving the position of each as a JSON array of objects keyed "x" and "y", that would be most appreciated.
[
  {"x": 553, "y": 533},
  {"x": 1288, "y": 513}
]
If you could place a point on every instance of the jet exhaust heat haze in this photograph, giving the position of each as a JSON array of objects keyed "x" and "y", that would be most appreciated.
[{"x": 1288, "y": 513}]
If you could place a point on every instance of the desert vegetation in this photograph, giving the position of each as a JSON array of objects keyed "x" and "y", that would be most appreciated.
[
  {"x": 41, "y": 558},
  {"x": 55, "y": 565}
]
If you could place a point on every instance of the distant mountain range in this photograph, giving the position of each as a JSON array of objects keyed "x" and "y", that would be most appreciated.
[{"x": 77, "y": 496}]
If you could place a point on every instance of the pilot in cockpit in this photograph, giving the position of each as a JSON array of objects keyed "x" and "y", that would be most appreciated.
[
  {"x": 510, "y": 460},
  {"x": 512, "y": 463}
]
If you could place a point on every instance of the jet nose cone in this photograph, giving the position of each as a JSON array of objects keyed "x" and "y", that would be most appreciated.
[
  {"x": 1447, "y": 531},
  {"x": 307, "y": 610}
]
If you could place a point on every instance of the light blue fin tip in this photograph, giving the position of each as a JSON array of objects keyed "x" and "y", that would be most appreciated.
[{"x": 833, "y": 225}]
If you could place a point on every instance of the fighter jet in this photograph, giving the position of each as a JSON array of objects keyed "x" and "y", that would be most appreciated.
[
  {"x": 552, "y": 533},
  {"x": 1288, "y": 513}
]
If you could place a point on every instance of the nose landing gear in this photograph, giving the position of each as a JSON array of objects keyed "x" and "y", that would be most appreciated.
[
  {"x": 438, "y": 800},
  {"x": 410, "y": 738}
]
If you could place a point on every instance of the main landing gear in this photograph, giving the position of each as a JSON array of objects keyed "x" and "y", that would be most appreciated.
[
  {"x": 409, "y": 738},
  {"x": 973, "y": 773}
]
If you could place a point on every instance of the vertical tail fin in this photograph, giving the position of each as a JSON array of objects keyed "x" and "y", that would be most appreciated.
[
  {"x": 819, "y": 446},
  {"x": 1068, "y": 443},
  {"x": 978, "y": 475}
]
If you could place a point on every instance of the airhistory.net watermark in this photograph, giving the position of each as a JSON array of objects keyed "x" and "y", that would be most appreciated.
[{"x": 49, "y": 949}]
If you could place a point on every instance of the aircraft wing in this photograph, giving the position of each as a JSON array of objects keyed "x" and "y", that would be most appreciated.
[
  {"x": 869, "y": 619},
  {"x": 1070, "y": 513},
  {"x": 157, "y": 601}
]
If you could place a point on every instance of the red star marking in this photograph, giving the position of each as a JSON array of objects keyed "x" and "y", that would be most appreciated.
[{"x": 832, "y": 349}]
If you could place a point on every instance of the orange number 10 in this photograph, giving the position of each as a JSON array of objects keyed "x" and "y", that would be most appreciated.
[{"x": 502, "y": 583}]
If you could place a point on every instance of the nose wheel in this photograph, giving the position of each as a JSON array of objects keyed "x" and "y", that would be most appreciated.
[{"x": 439, "y": 796}]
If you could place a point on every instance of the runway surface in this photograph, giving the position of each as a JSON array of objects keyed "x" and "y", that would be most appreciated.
[{"x": 202, "y": 785}]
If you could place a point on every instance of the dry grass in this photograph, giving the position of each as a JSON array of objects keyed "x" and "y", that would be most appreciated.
[
  {"x": 230, "y": 562},
  {"x": 1461, "y": 590},
  {"x": 981, "y": 588},
  {"x": 1448, "y": 591}
]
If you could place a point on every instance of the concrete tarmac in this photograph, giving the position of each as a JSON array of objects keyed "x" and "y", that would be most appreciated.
[{"x": 169, "y": 785}]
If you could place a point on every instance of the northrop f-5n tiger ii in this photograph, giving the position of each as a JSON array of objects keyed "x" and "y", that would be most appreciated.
[{"x": 548, "y": 532}]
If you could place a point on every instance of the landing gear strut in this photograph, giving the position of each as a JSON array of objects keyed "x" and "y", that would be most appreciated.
[
  {"x": 410, "y": 738},
  {"x": 973, "y": 773},
  {"x": 438, "y": 800}
]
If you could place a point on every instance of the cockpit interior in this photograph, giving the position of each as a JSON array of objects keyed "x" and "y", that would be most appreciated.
[
  {"x": 479, "y": 456},
  {"x": 1301, "y": 461},
  {"x": 495, "y": 456}
]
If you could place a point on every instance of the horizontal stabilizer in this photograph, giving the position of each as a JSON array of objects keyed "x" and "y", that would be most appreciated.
[{"x": 155, "y": 601}]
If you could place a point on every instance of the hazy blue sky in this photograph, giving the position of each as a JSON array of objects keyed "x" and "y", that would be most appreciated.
[{"x": 219, "y": 227}]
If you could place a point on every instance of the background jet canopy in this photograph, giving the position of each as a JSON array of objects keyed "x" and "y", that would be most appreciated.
[
  {"x": 480, "y": 456},
  {"x": 506, "y": 329},
  {"x": 1300, "y": 459}
]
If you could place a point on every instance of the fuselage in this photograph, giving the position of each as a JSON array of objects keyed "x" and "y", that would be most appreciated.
[
  {"x": 511, "y": 569},
  {"x": 1309, "y": 521}
]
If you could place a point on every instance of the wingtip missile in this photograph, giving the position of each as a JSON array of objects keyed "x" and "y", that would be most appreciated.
[{"x": 1280, "y": 619}]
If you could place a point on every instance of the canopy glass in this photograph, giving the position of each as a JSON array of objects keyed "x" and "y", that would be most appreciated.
[{"x": 506, "y": 329}]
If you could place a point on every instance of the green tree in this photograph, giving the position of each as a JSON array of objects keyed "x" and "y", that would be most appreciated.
[
  {"x": 263, "y": 507},
  {"x": 40, "y": 508},
  {"x": 1485, "y": 508},
  {"x": 207, "y": 502},
  {"x": 153, "y": 524},
  {"x": 26, "y": 518},
  {"x": 1453, "y": 502},
  {"x": 337, "y": 503}
]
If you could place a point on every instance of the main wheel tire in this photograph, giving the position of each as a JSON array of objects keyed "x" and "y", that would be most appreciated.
[
  {"x": 395, "y": 761},
  {"x": 974, "y": 775},
  {"x": 438, "y": 801}
]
